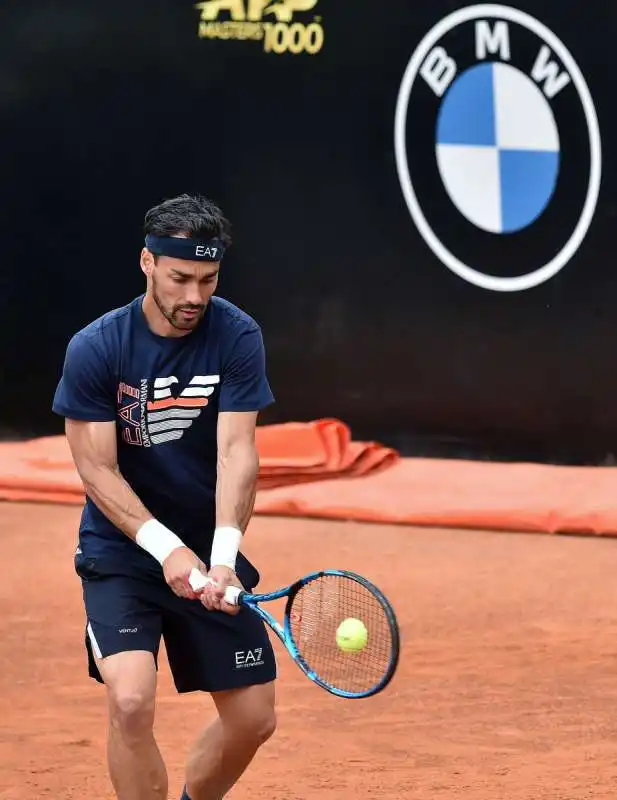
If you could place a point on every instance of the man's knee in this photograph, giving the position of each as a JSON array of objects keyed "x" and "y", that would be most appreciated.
[
  {"x": 254, "y": 727},
  {"x": 131, "y": 688},
  {"x": 250, "y": 713},
  {"x": 131, "y": 712},
  {"x": 260, "y": 725}
]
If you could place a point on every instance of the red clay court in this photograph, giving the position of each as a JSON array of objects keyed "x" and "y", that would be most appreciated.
[{"x": 507, "y": 686}]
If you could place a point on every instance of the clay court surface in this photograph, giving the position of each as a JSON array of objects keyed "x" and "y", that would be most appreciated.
[{"x": 507, "y": 686}]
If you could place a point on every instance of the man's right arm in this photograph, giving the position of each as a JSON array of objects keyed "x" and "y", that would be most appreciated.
[
  {"x": 93, "y": 447},
  {"x": 86, "y": 398}
]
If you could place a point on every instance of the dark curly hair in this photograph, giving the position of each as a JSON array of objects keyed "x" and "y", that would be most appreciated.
[{"x": 192, "y": 215}]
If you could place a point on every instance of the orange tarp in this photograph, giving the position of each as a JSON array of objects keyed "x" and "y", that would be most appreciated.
[
  {"x": 298, "y": 452},
  {"x": 290, "y": 453},
  {"x": 315, "y": 469}
]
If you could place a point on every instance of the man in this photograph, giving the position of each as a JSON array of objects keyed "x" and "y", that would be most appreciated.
[{"x": 160, "y": 399}]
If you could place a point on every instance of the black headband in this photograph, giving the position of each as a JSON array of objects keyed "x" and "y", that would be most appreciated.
[{"x": 187, "y": 249}]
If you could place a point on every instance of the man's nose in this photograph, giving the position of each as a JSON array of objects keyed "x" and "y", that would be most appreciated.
[{"x": 193, "y": 295}]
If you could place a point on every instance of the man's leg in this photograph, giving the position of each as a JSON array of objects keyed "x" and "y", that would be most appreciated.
[
  {"x": 123, "y": 634},
  {"x": 136, "y": 768},
  {"x": 246, "y": 719},
  {"x": 230, "y": 657}
]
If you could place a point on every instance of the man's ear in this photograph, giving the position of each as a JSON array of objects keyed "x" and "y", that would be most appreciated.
[{"x": 146, "y": 262}]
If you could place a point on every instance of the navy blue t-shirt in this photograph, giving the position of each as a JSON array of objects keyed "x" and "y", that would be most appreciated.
[{"x": 164, "y": 394}]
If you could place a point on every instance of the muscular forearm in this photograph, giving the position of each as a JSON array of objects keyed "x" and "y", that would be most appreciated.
[
  {"x": 114, "y": 497},
  {"x": 237, "y": 471},
  {"x": 250, "y": 505},
  {"x": 93, "y": 447}
]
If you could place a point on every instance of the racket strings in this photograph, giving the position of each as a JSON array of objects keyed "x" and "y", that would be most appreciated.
[{"x": 316, "y": 613}]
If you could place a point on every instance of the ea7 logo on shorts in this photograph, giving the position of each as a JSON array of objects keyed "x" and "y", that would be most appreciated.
[
  {"x": 249, "y": 658},
  {"x": 497, "y": 147}
]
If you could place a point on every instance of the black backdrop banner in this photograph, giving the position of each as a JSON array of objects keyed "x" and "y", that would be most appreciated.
[{"x": 422, "y": 200}]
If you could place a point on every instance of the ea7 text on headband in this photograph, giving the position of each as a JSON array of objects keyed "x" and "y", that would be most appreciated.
[{"x": 186, "y": 249}]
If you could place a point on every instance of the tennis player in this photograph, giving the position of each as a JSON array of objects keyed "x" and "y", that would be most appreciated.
[{"x": 160, "y": 399}]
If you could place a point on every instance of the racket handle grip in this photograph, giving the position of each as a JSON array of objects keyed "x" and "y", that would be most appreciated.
[
  {"x": 198, "y": 581},
  {"x": 232, "y": 594}
]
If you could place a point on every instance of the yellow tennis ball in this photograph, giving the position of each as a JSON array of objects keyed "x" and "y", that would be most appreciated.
[{"x": 351, "y": 635}]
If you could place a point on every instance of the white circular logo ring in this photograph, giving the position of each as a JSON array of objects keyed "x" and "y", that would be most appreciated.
[{"x": 552, "y": 267}]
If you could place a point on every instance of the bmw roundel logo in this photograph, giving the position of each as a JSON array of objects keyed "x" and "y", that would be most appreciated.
[{"x": 497, "y": 147}]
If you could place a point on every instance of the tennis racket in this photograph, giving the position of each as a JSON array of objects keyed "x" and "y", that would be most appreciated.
[{"x": 316, "y": 605}]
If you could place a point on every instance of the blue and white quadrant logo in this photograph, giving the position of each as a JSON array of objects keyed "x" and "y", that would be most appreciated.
[{"x": 497, "y": 147}]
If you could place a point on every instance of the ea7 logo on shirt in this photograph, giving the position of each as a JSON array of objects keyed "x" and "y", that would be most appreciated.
[
  {"x": 497, "y": 147},
  {"x": 249, "y": 658},
  {"x": 166, "y": 416}
]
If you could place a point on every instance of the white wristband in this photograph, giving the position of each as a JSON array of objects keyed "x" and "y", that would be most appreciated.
[
  {"x": 225, "y": 546},
  {"x": 157, "y": 540}
]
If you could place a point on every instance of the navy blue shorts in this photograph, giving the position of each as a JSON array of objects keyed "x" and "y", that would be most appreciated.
[{"x": 207, "y": 650}]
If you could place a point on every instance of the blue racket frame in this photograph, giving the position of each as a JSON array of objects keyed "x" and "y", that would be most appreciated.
[{"x": 252, "y": 601}]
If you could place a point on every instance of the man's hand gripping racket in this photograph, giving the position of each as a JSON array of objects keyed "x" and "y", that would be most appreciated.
[{"x": 338, "y": 627}]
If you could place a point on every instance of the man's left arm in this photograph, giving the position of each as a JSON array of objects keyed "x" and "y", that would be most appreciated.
[
  {"x": 237, "y": 469},
  {"x": 244, "y": 392}
]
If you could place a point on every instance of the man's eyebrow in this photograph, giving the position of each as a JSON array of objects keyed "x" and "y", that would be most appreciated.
[{"x": 181, "y": 274}]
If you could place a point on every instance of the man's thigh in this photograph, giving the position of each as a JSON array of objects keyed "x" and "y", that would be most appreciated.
[
  {"x": 211, "y": 651},
  {"x": 123, "y": 614}
]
